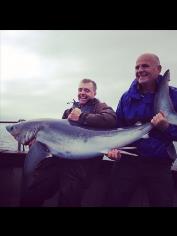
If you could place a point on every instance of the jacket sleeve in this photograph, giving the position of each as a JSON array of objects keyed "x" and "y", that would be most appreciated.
[
  {"x": 104, "y": 117},
  {"x": 171, "y": 133}
]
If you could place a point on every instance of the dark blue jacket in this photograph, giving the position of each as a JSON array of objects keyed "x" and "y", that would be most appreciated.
[{"x": 135, "y": 107}]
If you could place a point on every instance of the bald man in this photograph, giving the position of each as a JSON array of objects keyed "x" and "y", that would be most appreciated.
[{"x": 152, "y": 166}]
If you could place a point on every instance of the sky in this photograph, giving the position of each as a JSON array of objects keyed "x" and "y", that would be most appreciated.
[{"x": 40, "y": 70}]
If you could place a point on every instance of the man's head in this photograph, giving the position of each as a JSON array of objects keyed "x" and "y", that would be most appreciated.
[
  {"x": 86, "y": 90},
  {"x": 147, "y": 69}
]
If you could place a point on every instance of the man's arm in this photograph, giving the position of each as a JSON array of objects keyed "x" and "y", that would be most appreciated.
[
  {"x": 161, "y": 123},
  {"x": 104, "y": 117},
  {"x": 168, "y": 130}
]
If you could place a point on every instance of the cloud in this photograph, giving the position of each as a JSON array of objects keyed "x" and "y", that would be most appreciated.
[{"x": 41, "y": 69}]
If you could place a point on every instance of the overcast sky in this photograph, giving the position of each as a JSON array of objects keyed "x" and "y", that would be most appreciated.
[{"x": 40, "y": 69}]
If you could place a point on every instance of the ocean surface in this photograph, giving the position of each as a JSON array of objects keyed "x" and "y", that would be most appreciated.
[{"x": 7, "y": 142}]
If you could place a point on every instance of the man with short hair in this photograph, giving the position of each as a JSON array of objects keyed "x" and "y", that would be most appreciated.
[
  {"x": 78, "y": 175},
  {"x": 44, "y": 176},
  {"x": 152, "y": 166}
]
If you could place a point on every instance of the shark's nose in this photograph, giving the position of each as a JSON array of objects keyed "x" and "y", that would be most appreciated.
[{"x": 8, "y": 128}]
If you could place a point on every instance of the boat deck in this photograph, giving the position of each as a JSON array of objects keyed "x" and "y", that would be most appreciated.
[{"x": 11, "y": 165}]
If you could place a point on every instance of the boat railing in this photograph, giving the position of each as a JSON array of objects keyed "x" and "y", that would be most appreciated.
[{"x": 20, "y": 147}]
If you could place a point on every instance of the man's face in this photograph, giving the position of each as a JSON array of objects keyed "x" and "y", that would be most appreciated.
[
  {"x": 147, "y": 69},
  {"x": 86, "y": 92}
]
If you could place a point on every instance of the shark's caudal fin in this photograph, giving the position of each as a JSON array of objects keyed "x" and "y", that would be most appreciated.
[{"x": 163, "y": 102}]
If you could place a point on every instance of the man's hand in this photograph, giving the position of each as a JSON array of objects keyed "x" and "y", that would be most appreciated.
[
  {"x": 114, "y": 154},
  {"x": 74, "y": 115},
  {"x": 160, "y": 121}
]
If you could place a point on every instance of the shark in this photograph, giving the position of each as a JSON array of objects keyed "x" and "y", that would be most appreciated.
[{"x": 67, "y": 140}]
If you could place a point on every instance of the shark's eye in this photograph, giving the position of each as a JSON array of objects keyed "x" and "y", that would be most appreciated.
[{"x": 13, "y": 128}]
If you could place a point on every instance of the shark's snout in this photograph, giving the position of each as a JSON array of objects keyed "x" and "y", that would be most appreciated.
[{"x": 9, "y": 128}]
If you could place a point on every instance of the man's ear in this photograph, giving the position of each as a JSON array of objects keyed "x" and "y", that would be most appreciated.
[{"x": 159, "y": 68}]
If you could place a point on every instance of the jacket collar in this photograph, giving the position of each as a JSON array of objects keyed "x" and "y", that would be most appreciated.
[
  {"x": 134, "y": 91},
  {"x": 89, "y": 103}
]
